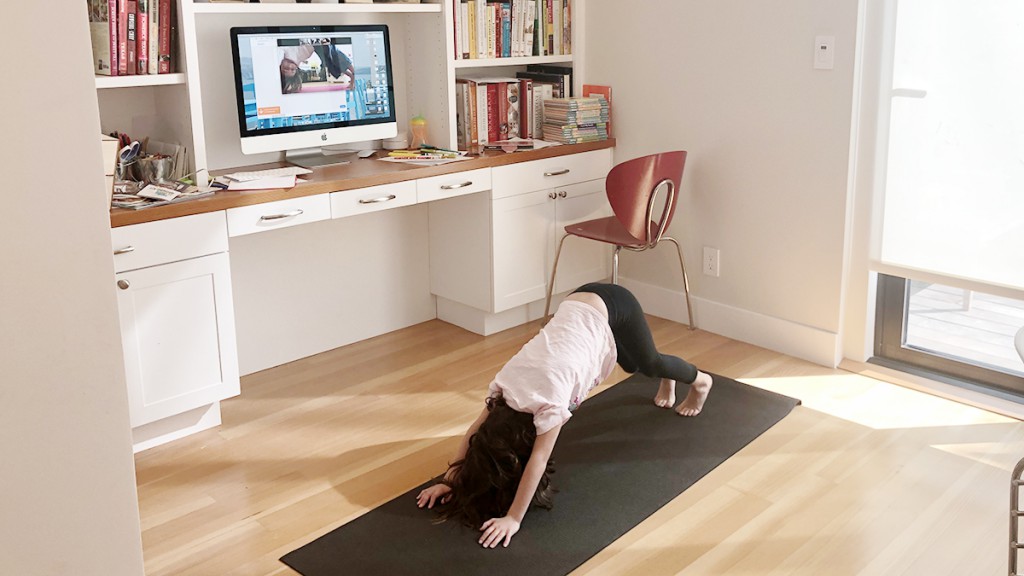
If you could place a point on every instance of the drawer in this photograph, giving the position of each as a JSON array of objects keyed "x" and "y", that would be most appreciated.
[
  {"x": 449, "y": 185},
  {"x": 550, "y": 172},
  {"x": 162, "y": 241},
  {"x": 372, "y": 199},
  {"x": 280, "y": 214}
]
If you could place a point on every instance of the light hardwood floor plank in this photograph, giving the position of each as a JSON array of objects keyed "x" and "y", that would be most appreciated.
[{"x": 863, "y": 478}]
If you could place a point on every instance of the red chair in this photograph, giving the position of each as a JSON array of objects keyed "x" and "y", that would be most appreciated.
[{"x": 633, "y": 188}]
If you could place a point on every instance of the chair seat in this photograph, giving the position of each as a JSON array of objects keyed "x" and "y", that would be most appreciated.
[{"x": 608, "y": 230}]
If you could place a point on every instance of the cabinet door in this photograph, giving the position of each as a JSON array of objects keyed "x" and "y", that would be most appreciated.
[
  {"x": 178, "y": 335},
  {"x": 522, "y": 238},
  {"x": 582, "y": 260}
]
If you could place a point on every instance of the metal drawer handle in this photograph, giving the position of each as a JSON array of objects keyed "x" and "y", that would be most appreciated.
[
  {"x": 380, "y": 199},
  {"x": 552, "y": 195},
  {"x": 557, "y": 172},
  {"x": 124, "y": 250},
  {"x": 123, "y": 284},
  {"x": 456, "y": 186},
  {"x": 292, "y": 214},
  {"x": 562, "y": 194}
]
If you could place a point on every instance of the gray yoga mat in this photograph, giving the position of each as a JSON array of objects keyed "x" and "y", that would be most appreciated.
[{"x": 617, "y": 461}]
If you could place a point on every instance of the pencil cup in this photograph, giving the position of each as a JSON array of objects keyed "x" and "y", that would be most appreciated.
[{"x": 154, "y": 168}]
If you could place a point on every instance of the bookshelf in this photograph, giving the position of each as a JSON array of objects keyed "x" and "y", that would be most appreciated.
[
  {"x": 104, "y": 82},
  {"x": 196, "y": 105}
]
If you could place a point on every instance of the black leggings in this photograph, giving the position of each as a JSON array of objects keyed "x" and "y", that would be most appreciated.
[{"x": 633, "y": 341}]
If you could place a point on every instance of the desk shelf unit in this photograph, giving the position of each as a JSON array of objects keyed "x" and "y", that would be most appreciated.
[{"x": 195, "y": 107}]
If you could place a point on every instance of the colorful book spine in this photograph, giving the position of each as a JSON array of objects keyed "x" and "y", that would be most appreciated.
[
  {"x": 153, "y": 43},
  {"x": 112, "y": 36},
  {"x": 122, "y": 37},
  {"x": 131, "y": 35},
  {"x": 142, "y": 37},
  {"x": 164, "y": 66}
]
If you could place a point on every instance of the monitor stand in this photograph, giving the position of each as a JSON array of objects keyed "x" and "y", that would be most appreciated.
[{"x": 317, "y": 157}]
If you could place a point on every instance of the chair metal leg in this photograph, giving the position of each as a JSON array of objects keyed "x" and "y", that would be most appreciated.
[
  {"x": 686, "y": 281},
  {"x": 551, "y": 281},
  {"x": 615, "y": 265}
]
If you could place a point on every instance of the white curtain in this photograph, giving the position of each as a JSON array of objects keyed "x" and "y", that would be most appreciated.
[{"x": 954, "y": 192}]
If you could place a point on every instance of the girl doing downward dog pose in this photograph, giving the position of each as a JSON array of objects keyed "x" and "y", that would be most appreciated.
[{"x": 502, "y": 464}]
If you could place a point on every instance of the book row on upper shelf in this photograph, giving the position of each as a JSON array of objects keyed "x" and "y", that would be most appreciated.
[
  {"x": 131, "y": 37},
  {"x": 512, "y": 28}
]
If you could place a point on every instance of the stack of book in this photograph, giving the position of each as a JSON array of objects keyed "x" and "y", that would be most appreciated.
[
  {"x": 576, "y": 120},
  {"x": 131, "y": 36}
]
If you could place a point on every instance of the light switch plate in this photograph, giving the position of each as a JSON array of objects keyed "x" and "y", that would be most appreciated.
[{"x": 824, "y": 52}]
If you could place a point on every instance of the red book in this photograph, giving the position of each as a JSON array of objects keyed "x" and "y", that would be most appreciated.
[
  {"x": 492, "y": 112},
  {"x": 131, "y": 35},
  {"x": 112, "y": 9},
  {"x": 122, "y": 37},
  {"x": 525, "y": 108},
  {"x": 503, "y": 105},
  {"x": 142, "y": 37},
  {"x": 164, "y": 65}
]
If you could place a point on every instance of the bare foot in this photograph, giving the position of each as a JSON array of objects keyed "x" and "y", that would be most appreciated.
[
  {"x": 666, "y": 396},
  {"x": 694, "y": 401}
]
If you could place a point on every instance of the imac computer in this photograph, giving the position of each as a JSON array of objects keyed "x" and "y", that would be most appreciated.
[{"x": 301, "y": 88}]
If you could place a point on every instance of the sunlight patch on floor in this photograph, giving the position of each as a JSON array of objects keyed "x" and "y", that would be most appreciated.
[{"x": 875, "y": 404}]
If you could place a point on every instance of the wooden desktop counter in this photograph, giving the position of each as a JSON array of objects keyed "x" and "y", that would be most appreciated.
[{"x": 359, "y": 173}]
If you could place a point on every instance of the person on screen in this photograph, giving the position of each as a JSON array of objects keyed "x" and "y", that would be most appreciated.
[
  {"x": 502, "y": 464},
  {"x": 335, "y": 61}
]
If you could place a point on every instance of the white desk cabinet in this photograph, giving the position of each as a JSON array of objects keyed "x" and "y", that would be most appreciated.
[
  {"x": 177, "y": 321},
  {"x": 493, "y": 252}
]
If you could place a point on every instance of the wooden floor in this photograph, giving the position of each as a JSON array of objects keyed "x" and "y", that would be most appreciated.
[{"x": 863, "y": 478}]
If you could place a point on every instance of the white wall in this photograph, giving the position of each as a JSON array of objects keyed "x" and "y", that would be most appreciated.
[
  {"x": 768, "y": 136},
  {"x": 67, "y": 490}
]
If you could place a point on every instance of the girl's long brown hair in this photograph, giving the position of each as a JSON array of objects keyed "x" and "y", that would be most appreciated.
[{"x": 484, "y": 482}]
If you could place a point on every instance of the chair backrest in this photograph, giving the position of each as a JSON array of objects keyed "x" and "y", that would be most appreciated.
[{"x": 633, "y": 188}]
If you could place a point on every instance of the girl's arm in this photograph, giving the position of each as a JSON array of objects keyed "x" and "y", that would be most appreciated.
[
  {"x": 497, "y": 530},
  {"x": 436, "y": 493}
]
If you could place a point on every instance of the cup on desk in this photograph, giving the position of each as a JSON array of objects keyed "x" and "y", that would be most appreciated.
[{"x": 153, "y": 168}]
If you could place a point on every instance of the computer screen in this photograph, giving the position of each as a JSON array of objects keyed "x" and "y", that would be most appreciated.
[{"x": 310, "y": 86}]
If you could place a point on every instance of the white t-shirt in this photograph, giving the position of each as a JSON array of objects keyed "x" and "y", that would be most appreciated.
[{"x": 556, "y": 370}]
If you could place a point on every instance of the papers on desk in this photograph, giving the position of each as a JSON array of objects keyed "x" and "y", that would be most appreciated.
[
  {"x": 263, "y": 183},
  {"x": 422, "y": 160}
]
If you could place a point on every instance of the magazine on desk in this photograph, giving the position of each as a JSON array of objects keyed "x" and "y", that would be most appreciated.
[{"x": 132, "y": 196}]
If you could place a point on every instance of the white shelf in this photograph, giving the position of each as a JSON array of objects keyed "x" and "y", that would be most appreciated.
[
  {"x": 517, "y": 61},
  {"x": 290, "y": 8},
  {"x": 139, "y": 80}
]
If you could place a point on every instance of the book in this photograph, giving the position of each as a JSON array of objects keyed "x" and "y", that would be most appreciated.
[
  {"x": 122, "y": 37},
  {"x": 142, "y": 37},
  {"x": 131, "y": 35},
  {"x": 541, "y": 93},
  {"x": 604, "y": 91},
  {"x": 526, "y": 108},
  {"x": 103, "y": 27},
  {"x": 153, "y": 44},
  {"x": 165, "y": 64},
  {"x": 556, "y": 81},
  {"x": 564, "y": 71}
]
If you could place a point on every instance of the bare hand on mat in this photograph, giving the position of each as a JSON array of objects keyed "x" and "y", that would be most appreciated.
[
  {"x": 496, "y": 529},
  {"x": 438, "y": 493}
]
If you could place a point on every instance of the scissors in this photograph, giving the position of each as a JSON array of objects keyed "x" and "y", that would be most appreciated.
[
  {"x": 127, "y": 156},
  {"x": 129, "y": 152}
]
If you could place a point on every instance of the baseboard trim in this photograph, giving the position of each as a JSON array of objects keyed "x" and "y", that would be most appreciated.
[{"x": 797, "y": 340}]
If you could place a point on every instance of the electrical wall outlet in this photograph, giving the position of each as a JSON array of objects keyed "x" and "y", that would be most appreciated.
[{"x": 711, "y": 261}]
